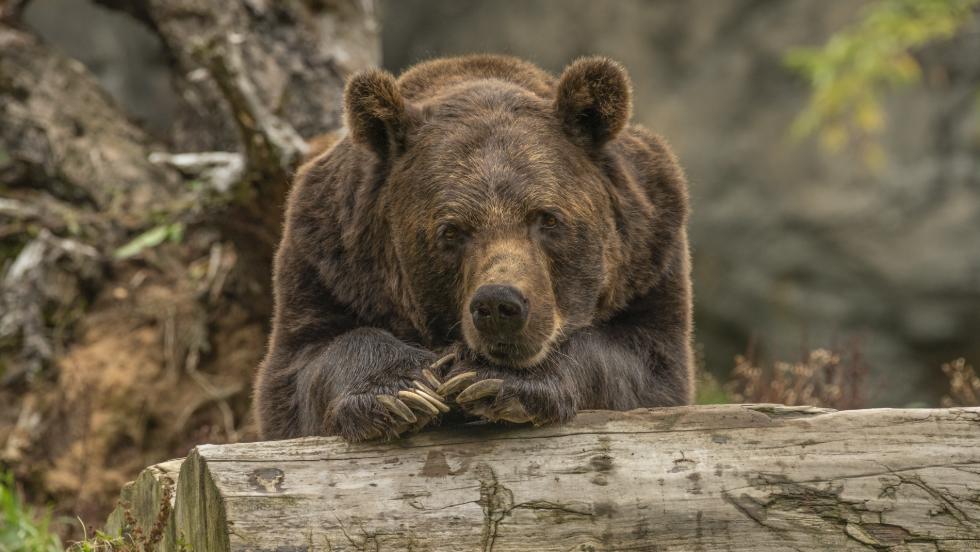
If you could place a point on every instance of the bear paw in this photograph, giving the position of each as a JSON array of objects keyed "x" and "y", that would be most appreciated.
[
  {"x": 386, "y": 415},
  {"x": 517, "y": 402}
]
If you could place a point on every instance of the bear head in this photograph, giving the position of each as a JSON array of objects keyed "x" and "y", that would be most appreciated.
[{"x": 497, "y": 203}]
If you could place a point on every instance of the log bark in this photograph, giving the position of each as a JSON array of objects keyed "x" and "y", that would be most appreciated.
[{"x": 728, "y": 477}]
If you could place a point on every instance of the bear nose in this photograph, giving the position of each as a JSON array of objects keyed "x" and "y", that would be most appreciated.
[{"x": 498, "y": 309}]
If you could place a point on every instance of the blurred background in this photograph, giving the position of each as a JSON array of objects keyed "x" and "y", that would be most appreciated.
[{"x": 832, "y": 147}]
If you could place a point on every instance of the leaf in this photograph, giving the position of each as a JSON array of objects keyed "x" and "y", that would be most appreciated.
[
  {"x": 869, "y": 116},
  {"x": 850, "y": 73},
  {"x": 873, "y": 155},
  {"x": 151, "y": 238},
  {"x": 833, "y": 138}
]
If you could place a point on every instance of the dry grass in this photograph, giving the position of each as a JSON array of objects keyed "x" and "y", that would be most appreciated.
[
  {"x": 964, "y": 384},
  {"x": 824, "y": 377},
  {"x": 134, "y": 539}
]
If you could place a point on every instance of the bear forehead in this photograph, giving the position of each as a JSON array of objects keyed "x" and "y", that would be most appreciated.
[
  {"x": 482, "y": 97},
  {"x": 490, "y": 143},
  {"x": 501, "y": 172}
]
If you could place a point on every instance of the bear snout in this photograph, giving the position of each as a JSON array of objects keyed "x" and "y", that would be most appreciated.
[
  {"x": 498, "y": 311},
  {"x": 510, "y": 318}
]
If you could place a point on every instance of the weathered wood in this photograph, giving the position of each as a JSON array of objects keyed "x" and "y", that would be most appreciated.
[
  {"x": 143, "y": 501},
  {"x": 733, "y": 477}
]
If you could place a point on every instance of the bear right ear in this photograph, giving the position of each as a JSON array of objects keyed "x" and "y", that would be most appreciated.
[
  {"x": 376, "y": 113},
  {"x": 594, "y": 100}
]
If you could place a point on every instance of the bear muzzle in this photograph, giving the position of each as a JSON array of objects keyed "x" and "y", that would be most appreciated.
[
  {"x": 499, "y": 311},
  {"x": 510, "y": 317}
]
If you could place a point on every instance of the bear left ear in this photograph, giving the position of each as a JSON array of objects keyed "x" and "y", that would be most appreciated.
[
  {"x": 377, "y": 115},
  {"x": 594, "y": 100}
]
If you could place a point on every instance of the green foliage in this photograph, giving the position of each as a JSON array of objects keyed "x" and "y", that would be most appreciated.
[
  {"x": 22, "y": 529},
  {"x": 102, "y": 543},
  {"x": 850, "y": 73},
  {"x": 710, "y": 391},
  {"x": 151, "y": 238}
]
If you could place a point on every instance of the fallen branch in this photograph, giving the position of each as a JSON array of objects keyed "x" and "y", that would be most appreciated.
[
  {"x": 144, "y": 500},
  {"x": 728, "y": 477},
  {"x": 220, "y": 171}
]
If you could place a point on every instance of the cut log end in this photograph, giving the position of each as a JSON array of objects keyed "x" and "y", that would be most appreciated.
[{"x": 731, "y": 477}]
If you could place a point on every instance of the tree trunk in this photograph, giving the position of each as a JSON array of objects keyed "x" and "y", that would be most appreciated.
[{"x": 733, "y": 477}]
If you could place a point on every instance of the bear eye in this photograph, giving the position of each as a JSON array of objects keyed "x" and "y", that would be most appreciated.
[
  {"x": 449, "y": 233},
  {"x": 548, "y": 221}
]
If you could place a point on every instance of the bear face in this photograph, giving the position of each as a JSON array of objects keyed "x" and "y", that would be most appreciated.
[{"x": 498, "y": 207}]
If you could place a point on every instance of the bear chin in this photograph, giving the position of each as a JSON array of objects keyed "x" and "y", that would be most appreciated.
[
  {"x": 505, "y": 356},
  {"x": 517, "y": 356}
]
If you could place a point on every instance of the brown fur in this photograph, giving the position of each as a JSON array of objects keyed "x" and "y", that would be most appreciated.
[{"x": 450, "y": 179}]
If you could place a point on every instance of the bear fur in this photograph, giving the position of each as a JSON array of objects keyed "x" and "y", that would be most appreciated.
[{"x": 465, "y": 172}]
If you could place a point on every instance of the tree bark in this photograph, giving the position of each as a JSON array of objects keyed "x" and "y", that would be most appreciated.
[{"x": 732, "y": 477}]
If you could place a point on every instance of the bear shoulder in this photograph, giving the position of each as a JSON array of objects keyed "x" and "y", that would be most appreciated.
[
  {"x": 651, "y": 205},
  {"x": 331, "y": 226}
]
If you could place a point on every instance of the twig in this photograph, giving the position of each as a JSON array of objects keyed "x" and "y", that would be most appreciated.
[{"x": 220, "y": 171}]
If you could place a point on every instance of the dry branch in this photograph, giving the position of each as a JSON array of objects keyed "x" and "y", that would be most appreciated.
[{"x": 733, "y": 477}]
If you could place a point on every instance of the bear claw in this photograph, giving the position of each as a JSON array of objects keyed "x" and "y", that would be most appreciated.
[
  {"x": 442, "y": 362},
  {"x": 480, "y": 389},
  {"x": 455, "y": 383},
  {"x": 397, "y": 408},
  {"x": 430, "y": 378},
  {"x": 420, "y": 386},
  {"x": 431, "y": 396},
  {"x": 416, "y": 401},
  {"x": 494, "y": 408},
  {"x": 512, "y": 411}
]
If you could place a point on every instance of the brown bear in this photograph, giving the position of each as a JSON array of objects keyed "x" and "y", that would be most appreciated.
[{"x": 482, "y": 208}]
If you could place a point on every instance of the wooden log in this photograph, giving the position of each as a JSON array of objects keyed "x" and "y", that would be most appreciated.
[
  {"x": 144, "y": 502},
  {"x": 727, "y": 477}
]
